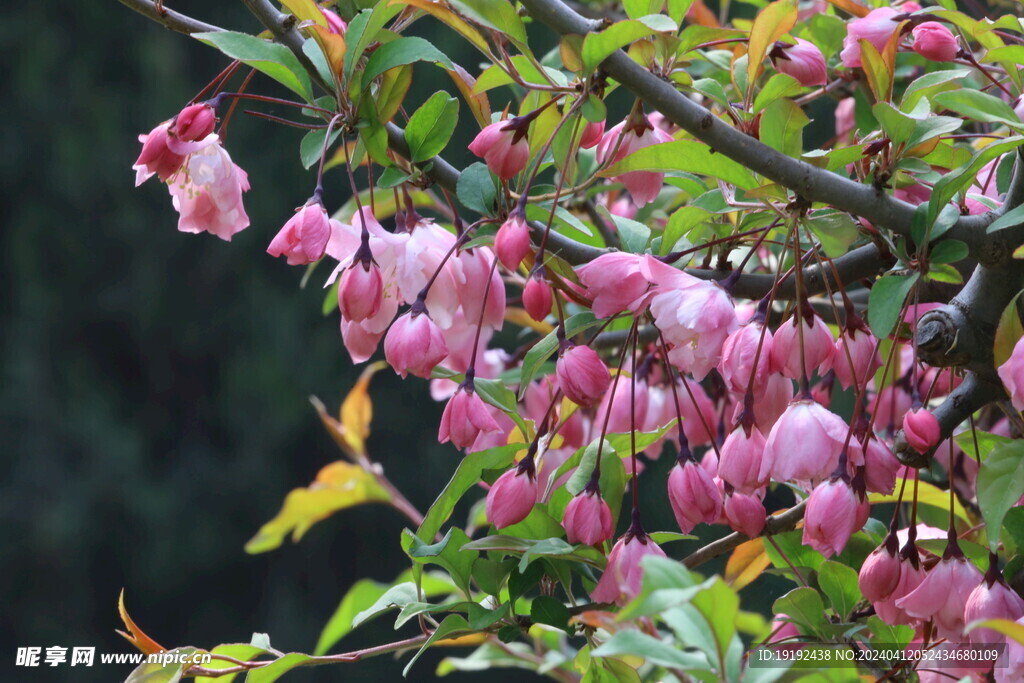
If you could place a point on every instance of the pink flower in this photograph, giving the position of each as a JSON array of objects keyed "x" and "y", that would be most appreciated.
[
  {"x": 876, "y": 28},
  {"x": 832, "y": 516},
  {"x": 360, "y": 342},
  {"x": 863, "y": 352},
  {"x": 503, "y": 147},
  {"x": 623, "y": 575},
  {"x": 889, "y": 406},
  {"x": 1009, "y": 667},
  {"x": 582, "y": 376},
  {"x": 740, "y": 464},
  {"x": 1012, "y": 374},
  {"x": 615, "y": 283},
  {"x": 303, "y": 239},
  {"x": 465, "y": 418},
  {"x": 414, "y": 343},
  {"x": 512, "y": 241},
  {"x": 512, "y": 496},
  {"x": 588, "y": 519},
  {"x": 694, "y": 496},
  {"x": 880, "y": 466},
  {"x": 818, "y": 345},
  {"x": 476, "y": 271},
  {"x": 643, "y": 186},
  {"x": 592, "y": 133},
  {"x": 921, "y": 430},
  {"x": 934, "y": 41},
  {"x": 738, "y": 353},
  {"x": 880, "y": 573},
  {"x": 844, "y": 117},
  {"x": 802, "y": 61},
  {"x": 745, "y": 513},
  {"x": 992, "y": 599},
  {"x": 537, "y": 297},
  {"x": 360, "y": 291},
  {"x": 207, "y": 193},
  {"x": 156, "y": 157},
  {"x": 943, "y": 595},
  {"x": 195, "y": 122},
  {"x": 619, "y": 407},
  {"x": 335, "y": 24},
  {"x": 911, "y": 576},
  {"x": 804, "y": 443}
]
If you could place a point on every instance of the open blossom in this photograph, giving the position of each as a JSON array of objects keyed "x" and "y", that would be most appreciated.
[
  {"x": 790, "y": 357},
  {"x": 911, "y": 575},
  {"x": 207, "y": 193},
  {"x": 512, "y": 496},
  {"x": 934, "y": 41},
  {"x": 303, "y": 239},
  {"x": 623, "y": 575},
  {"x": 876, "y": 28},
  {"x": 738, "y": 353},
  {"x": 166, "y": 147},
  {"x": 802, "y": 61},
  {"x": 992, "y": 599},
  {"x": 588, "y": 519},
  {"x": 504, "y": 147},
  {"x": 465, "y": 417},
  {"x": 414, "y": 344},
  {"x": 643, "y": 186},
  {"x": 694, "y": 496},
  {"x": 582, "y": 376},
  {"x": 942, "y": 595},
  {"x": 1012, "y": 374},
  {"x": 804, "y": 443},
  {"x": 156, "y": 157},
  {"x": 615, "y": 283},
  {"x": 833, "y": 515}
]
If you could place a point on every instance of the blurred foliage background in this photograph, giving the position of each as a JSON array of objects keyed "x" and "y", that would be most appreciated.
[{"x": 154, "y": 398}]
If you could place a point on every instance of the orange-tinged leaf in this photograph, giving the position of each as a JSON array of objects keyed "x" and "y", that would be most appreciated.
[
  {"x": 332, "y": 45},
  {"x": 357, "y": 410},
  {"x": 773, "y": 22},
  {"x": 338, "y": 485},
  {"x": 878, "y": 75},
  {"x": 701, "y": 15},
  {"x": 448, "y": 18},
  {"x": 851, "y": 7},
  {"x": 468, "y": 640},
  {"x": 305, "y": 10},
  {"x": 478, "y": 102},
  {"x": 746, "y": 563},
  {"x": 520, "y": 317},
  {"x": 135, "y": 635}
]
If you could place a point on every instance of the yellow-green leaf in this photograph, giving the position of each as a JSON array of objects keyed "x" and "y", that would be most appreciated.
[{"x": 773, "y": 22}]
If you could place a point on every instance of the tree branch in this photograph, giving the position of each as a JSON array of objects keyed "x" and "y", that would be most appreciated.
[
  {"x": 778, "y": 524},
  {"x": 169, "y": 18}
]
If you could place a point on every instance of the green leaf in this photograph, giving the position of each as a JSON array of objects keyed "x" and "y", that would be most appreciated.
[
  {"x": 773, "y": 22},
  {"x": 657, "y": 652},
  {"x": 886, "y": 302},
  {"x": 243, "y": 652},
  {"x": 600, "y": 45},
  {"x": 447, "y": 553},
  {"x": 548, "y": 610},
  {"x": 666, "y": 585},
  {"x": 272, "y": 59},
  {"x": 778, "y": 86},
  {"x": 931, "y": 83},
  {"x": 365, "y": 28},
  {"x": 312, "y": 146},
  {"x": 685, "y": 156},
  {"x": 360, "y": 597},
  {"x": 543, "y": 349},
  {"x": 897, "y": 125},
  {"x": 467, "y": 474},
  {"x": 948, "y": 185},
  {"x": 154, "y": 672},
  {"x": 948, "y": 251},
  {"x": 397, "y": 596},
  {"x": 680, "y": 224},
  {"x": 634, "y": 234},
  {"x": 497, "y": 15},
  {"x": 839, "y": 583},
  {"x": 452, "y": 626},
  {"x": 836, "y": 230},
  {"x": 1008, "y": 332},
  {"x": 431, "y": 126},
  {"x": 1010, "y": 219},
  {"x": 719, "y": 605},
  {"x": 1000, "y": 485},
  {"x": 977, "y": 106},
  {"x": 272, "y": 672},
  {"x": 405, "y": 50},
  {"x": 782, "y": 127},
  {"x": 392, "y": 176},
  {"x": 476, "y": 190},
  {"x": 892, "y": 636},
  {"x": 804, "y": 606}
]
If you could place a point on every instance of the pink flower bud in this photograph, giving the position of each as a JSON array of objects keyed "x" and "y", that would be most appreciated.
[
  {"x": 643, "y": 186},
  {"x": 738, "y": 353},
  {"x": 832, "y": 516},
  {"x": 156, "y": 157},
  {"x": 992, "y": 600},
  {"x": 934, "y": 41},
  {"x": 1012, "y": 374},
  {"x": 465, "y": 417},
  {"x": 615, "y": 283},
  {"x": 943, "y": 595},
  {"x": 741, "y": 457},
  {"x": 818, "y": 346},
  {"x": 802, "y": 61},
  {"x": 804, "y": 443},
  {"x": 511, "y": 497},
  {"x": 414, "y": 344},
  {"x": 921, "y": 430},
  {"x": 623, "y": 575},
  {"x": 876, "y": 28},
  {"x": 844, "y": 117},
  {"x": 303, "y": 239},
  {"x": 512, "y": 241},
  {"x": 910, "y": 578},
  {"x": 880, "y": 573},
  {"x": 746, "y": 514},
  {"x": 582, "y": 376},
  {"x": 588, "y": 519},
  {"x": 505, "y": 150},
  {"x": 537, "y": 298},
  {"x": 694, "y": 496},
  {"x": 195, "y": 122},
  {"x": 335, "y": 24},
  {"x": 360, "y": 291},
  {"x": 880, "y": 466},
  {"x": 784, "y": 631},
  {"x": 592, "y": 134}
]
